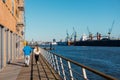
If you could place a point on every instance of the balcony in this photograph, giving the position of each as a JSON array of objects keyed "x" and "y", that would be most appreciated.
[
  {"x": 20, "y": 24},
  {"x": 21, "y": 6},
  {"x": 20, "y": 28}
]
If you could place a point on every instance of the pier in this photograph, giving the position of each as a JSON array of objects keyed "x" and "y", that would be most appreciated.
[
  {"x": 17, "y": 71},
  {"x": 51, "y": 67}
]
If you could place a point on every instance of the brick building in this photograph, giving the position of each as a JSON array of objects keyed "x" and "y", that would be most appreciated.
[{"x": 11, "y": 30}]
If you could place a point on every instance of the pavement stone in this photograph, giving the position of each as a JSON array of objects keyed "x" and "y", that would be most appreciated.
[{"x": 11, "y": 71}]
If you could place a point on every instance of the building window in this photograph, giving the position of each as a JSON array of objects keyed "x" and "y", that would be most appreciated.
[
  {"x": 12, "y": 6},
  {"x": 4, "y": 1},
  {"x": 17, "y": 13},
  {"x": 18, "y": 1}
]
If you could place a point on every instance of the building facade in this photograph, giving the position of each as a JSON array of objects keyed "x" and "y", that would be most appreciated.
[{"x": 11, "y": 30}]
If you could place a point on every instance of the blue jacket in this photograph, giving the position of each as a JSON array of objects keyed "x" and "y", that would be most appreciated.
[{"x": 27, "y": 50}]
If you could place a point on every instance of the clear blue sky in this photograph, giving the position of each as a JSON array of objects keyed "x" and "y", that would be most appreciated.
[{"x": 48, "y": 19}]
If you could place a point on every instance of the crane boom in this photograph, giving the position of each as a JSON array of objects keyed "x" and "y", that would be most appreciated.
[
  {"x": 88, "y": 30},
  {"x": 67, "y": 37},
  {"x": 110, "y": 30},
  {"x": 75, "y": 34}
]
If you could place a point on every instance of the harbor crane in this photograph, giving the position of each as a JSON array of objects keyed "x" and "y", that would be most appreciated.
[
  {"x": 71, "y": 37},
  {"x": 67, "y": 37},
  {"x": 90, "y": 34},
  {"x": 110, "y": 30},
  {"x": 74, "y": 34},
  {"x": 88, "y": 30}
]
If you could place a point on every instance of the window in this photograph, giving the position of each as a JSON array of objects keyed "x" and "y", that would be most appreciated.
[
  {"x": 12, "y": 6},
  {"x": 18, "y": 1},
  {"x": 4, "y": 1},
  {"x": 17, "y": 13}
]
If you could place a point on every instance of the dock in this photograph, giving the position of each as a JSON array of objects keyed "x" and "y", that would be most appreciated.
[
  {"x": 51, "y": 67},
  {"x": 17, "y": 71}
]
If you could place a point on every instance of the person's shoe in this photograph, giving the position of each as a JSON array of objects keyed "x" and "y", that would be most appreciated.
[{"x": 25, "y": 65}]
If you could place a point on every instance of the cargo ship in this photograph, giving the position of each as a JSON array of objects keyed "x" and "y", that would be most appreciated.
[
  {"x": 99, "y": 41},
  {"x": 108, "y": 43},
  {"x": 91, "y": 40}
]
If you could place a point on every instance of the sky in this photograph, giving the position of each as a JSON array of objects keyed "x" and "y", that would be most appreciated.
[{"x": 50, "y": 19}]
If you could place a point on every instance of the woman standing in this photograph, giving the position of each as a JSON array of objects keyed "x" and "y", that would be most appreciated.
[{"x": 36, "y": 52}]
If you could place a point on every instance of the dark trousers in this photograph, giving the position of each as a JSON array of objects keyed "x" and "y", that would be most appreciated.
[{"x": 36, "y": 58}]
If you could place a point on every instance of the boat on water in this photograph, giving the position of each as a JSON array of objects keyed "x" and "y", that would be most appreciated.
[
  {"x": 110, "y": 43},
  {"x": 107, "y": 41},
  {"x": 62, "y": 43},
  {"x": 92, "y": 40},
  {"x": 54, "y": 43}
]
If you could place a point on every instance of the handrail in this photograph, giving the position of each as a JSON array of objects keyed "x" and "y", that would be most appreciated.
[
  {"x": 57, "y": 62},
  {"x": 88, "y": 68}
]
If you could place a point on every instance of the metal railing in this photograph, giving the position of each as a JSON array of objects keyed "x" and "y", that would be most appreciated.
[{"x": 71, "y": 70}]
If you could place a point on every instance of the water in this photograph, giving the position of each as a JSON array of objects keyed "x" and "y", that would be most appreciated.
[{"x": 104, "y": 59}]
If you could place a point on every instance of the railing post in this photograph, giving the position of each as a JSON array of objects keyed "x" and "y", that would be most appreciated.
[
  {"x": 84, "y": 74},
  {"x": 49, "y": 56},
  {"x": 46, "y": 56},
  {"x": 70, "y": 70},
  {"x": 58, "y": 70},
  {"x": 63, "y": 71},
  {"x": 53, "y": 60}
]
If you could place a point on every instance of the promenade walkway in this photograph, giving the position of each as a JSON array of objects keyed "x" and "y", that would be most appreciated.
[{"x": 17, "y": 71}]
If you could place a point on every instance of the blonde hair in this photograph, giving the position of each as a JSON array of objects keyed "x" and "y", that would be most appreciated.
[{"x": 37, "y": 48}]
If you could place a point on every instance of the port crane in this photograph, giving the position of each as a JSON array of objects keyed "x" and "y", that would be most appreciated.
[
  {"x": 67, "y": 37},
  {"x": 90, "y": 34},
  {"x": 74, "y": 34},
  {"x": 110, "y": 30},
  {"x": 71, "y": 37}
]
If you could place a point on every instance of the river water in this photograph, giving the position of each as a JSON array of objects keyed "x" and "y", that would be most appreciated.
[{"x": 104, "y": 59}]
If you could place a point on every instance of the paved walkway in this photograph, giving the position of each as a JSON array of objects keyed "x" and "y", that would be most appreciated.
[{"x": 17, "y": 71}]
